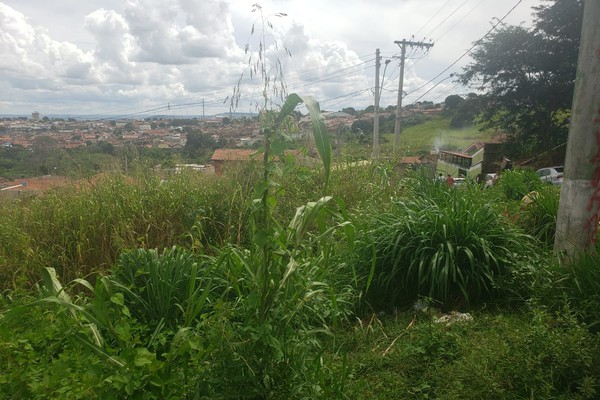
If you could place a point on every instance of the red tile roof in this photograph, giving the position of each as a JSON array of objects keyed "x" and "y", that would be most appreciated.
[{"x": 235, "y": 155}]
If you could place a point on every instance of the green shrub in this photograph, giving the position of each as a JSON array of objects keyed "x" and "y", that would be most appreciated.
[
  {"x": 172, "y": 287},
  {"x": 515, "y": 184},
  {"x": 537, "y": 215},
  {"x": 449, "y": 246}
]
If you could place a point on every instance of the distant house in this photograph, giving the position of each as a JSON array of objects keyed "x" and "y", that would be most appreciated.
[
  {"x": 131, "y": 136},
  {"x": 222, "y": 158},
  {"x": 414, "y": 162}
]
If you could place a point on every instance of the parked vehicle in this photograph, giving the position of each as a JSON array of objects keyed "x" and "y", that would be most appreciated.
[{"x": 553, "y": 175}]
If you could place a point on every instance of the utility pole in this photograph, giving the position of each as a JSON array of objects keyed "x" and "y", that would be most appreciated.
[
  {"x": 376, "y": 113},
  {"x": 579, "y": 207},
  {"x": 203, "y": 115},
  {"x": 403, "y": 44}
]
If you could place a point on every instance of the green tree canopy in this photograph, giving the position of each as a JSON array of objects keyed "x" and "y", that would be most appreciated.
[
  {"x": 199, "y": 146},
  {"x": 453, "y": 101},
  {"x": 527, "y": 76}
]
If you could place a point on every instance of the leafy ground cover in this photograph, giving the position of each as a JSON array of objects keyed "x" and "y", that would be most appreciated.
[{"x": 192, "y": 287}]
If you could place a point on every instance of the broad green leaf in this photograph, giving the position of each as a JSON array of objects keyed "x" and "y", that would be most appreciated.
[
  {"x": 319, "y": 129},
  {"x": 143, "y": 357}
]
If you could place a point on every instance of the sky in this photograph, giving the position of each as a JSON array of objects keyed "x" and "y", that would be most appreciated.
[{"x": 138, "y": 58}]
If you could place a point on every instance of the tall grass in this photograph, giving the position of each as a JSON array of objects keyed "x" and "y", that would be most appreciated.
[
  {"x": 515, "y": 184},
  {"x": 171, "y": 287},
  {"x": 537, "y": 215},
  {"x": 83, "y": 228},
  {"x": 448, "y": 246}
]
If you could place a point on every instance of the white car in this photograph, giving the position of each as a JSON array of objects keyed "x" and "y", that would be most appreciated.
[{"x": 553, "y": 175}]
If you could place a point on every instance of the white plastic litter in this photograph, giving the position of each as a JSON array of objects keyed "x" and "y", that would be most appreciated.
[{"x": 453, "y": 317}]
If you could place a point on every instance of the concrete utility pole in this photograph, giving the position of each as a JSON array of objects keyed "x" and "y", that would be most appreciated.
[
  {"x": 403, "y": 44},
  {"x": 376, "y": 113},
  {"x": 579, "y": 207}
]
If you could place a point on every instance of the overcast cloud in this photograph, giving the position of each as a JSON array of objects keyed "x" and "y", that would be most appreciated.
[{"x": 138, "y": 57}]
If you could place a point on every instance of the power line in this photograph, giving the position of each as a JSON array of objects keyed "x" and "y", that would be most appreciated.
[
  {"x": 475, "y": 44},
  {"x": 460, "y": 20},
  {"x": 445, "y": 19},
  {"x": 330, "y": 76},
  {"x": 432, "y": 17}
]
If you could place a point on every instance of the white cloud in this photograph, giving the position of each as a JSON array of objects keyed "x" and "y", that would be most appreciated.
[
  {"x": 107, "y": 54},
  {"x": 180, "y": 31}
]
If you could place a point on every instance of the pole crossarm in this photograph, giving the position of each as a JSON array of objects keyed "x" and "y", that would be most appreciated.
[{"x": 413, "y": 44}]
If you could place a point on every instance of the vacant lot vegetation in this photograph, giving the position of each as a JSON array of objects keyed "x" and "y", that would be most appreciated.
[{"x": 185, "y": 288}]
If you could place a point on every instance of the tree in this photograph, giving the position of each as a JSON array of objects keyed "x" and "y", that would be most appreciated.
[
  {"x": 369, "y": 109},
  {"x": 349, "y": 110},
  {"x": 46, "y": 153},
  {"x": 198, "y": 145},
  {"x": 462, "y": 111},
  {"x": 528, "y": 76},
  {"x": 363, "y": 125},
  {"x": 453, "y": 101}
]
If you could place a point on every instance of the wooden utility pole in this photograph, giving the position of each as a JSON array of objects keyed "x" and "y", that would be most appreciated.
[
  {"x": 376, "y": 149},
  {"x": 579, "y": 207},
  {"x": 403, "y": 44}
]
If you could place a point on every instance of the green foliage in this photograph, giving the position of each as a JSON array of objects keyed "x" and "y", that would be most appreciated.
[
  {"x": 447, "y": 245},
  {"x": 93, "y": 348},
  {"x": 452, "y": 102},
  {"x": 279, "y": 311},
  {"x": 364, "y": 126},
  {"x": 171, "y": 287},
  {"x": 199, "y": 146},
  {"x": 526, "y": 87},
  {"x": 83, "y": 228},
  {"x": 516, "y": 356},
  {"x": 582, "y": 288},
  {"x": 538, "y": 217},
  {"x": 516, "y": 184},
  {"x": 244, "y": 327}
]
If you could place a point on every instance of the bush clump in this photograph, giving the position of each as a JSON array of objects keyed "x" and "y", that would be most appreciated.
[{"x": 449, "y": 246}]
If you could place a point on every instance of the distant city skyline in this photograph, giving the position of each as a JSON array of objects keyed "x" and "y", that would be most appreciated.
[{"x": 184, "y": 57}]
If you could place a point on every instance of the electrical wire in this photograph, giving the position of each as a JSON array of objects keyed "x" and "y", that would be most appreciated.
[
  {"x": 461, "y": 5},
  {"x": 475, "y": 44},
  {"x": 432, "y": 17}
]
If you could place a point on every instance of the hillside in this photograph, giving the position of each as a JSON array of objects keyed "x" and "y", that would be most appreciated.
[{"x": 435, "y": 134}]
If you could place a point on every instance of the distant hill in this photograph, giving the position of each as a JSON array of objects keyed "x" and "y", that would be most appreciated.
[{"x": 436, "y": 134}]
